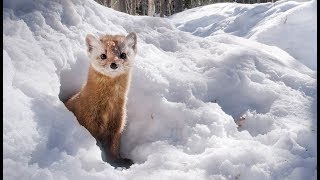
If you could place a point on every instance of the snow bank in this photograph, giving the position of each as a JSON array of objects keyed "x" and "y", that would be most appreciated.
[
  {"x": 289, "y": 25},
  {"x": 186, "y": 94}
]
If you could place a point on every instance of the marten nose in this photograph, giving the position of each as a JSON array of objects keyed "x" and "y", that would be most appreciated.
[{"x": 113, "y": 66}]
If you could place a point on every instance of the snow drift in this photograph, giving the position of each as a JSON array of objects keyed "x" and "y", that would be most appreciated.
[
  {"x": 289, "y": 25},
  {"x": 186, "y": 93}
]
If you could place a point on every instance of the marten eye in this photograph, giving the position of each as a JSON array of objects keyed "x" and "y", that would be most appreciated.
[
  {"x": 103, "y": 56},
  {"x": 123, "y": 55}
]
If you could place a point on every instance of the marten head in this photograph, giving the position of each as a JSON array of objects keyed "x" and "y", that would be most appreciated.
[{"x": 112, "y": 55}]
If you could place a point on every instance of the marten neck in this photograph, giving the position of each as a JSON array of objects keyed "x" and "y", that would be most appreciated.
[{"x": 105, "y": 84}]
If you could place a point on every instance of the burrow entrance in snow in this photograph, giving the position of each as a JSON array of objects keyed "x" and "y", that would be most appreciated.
[{"x": 72, "y": 78}]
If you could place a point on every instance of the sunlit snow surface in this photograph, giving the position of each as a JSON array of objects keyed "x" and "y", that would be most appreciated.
[{"x": 195, "y": 74}]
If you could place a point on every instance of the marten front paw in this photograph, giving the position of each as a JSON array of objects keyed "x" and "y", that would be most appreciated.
[{"x": 122, "y": 162}]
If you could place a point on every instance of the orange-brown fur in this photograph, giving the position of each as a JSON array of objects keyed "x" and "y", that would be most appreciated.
[{"x": 100, "y": 106}]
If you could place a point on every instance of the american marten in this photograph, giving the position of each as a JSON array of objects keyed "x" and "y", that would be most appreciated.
[{"x": 100, "y": 106}]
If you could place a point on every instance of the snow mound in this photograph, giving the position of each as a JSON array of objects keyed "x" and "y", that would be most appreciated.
[
  {"x": 186, "y": 96},
  {"x": 289, "y": 25}
]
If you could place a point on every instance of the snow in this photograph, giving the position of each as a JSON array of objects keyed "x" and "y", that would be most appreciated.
[
  {"x": 196, "y": 73},
  {"x": 289, "y": 25}
]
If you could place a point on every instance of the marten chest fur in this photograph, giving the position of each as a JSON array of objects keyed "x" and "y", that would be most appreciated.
[{"x": 102, "y": 103}]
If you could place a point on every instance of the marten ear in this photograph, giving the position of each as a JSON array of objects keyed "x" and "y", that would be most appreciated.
[
  {"x": 131, "y": 41},
  {"x": 91, "y": 42}
]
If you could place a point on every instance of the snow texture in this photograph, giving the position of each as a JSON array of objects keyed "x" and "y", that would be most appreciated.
[
  {"x": 289, "y": 25},
  {"x": 196, "y": 74}
]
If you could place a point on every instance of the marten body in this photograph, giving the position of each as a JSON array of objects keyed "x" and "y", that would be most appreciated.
[{"x": 100, "y": 106}]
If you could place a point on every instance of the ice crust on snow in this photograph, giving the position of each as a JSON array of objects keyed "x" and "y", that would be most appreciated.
[{"x": 195, "y": 74}]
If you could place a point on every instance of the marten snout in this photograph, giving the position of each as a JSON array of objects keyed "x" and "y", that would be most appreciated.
[{"x": 113, "y": 66}]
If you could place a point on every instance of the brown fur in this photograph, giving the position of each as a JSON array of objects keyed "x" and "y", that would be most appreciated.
[{"x": 100, "y": 106}]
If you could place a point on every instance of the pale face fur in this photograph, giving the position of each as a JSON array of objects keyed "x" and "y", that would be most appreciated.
[{"x": 112, "y": 47}]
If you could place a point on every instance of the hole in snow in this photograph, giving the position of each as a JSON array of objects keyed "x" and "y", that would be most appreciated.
[{"x": 73, "y": 78}]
